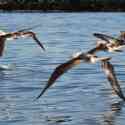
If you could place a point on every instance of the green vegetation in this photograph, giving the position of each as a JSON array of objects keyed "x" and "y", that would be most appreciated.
[{"x": 67, "y": 5}]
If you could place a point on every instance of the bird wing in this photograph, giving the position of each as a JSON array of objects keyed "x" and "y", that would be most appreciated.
[
  {"x": 2, "y": 45},
  {"x": 60, "y": 70},
  {"x": 111, "y": 76},
  {"x": 21, "y": 30},
  {"x": 18, "y": 32},
  {"x": 106, "y": 38},
  {"x": 21, "y": 34},
  {"x": 33, "y": 35},
  {"x": 100, "y": 47}
]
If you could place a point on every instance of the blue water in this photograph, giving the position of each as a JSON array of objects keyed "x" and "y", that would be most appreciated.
[{"x": 81, "y": 96}]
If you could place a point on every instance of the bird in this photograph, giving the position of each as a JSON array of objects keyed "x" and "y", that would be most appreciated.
[
  {"x": 108, "y": 69},
  {"x": 18, "y": 34},
  {"x": 111, "y": 44},
  {"x": 15, "y": 35},
  {"x": 88, "y": 57}
]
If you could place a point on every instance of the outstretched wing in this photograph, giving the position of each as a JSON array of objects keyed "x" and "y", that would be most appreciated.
[
  {"x": 24, "y": 34},
  {"x": 111, "y": 76},
  {"x": 33, "y": 35},
  {"x": 60, "y": 70},
  {"x": 106, "y": 38},
  {"x": 11, "y": 34}
]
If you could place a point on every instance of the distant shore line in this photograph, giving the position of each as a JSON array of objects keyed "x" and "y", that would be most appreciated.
[
  {"x": 62, "y": 8},
  {"x": 56, "y": 11}
]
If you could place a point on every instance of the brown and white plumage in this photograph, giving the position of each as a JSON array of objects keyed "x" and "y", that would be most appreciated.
[
  {"x": 61, "y": 69},
  {"x": 16, "y": 35},
  {"x": 110, "y": 43},
  {"x": 111, "y": 76}
]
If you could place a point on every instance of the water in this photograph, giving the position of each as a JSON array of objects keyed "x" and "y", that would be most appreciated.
[{"x": 83, "y": 95}]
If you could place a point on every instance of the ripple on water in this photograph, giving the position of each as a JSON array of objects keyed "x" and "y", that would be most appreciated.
[{"x": 82, "y": 96}]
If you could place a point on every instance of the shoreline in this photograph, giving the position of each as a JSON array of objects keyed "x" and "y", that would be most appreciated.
[
  {"x": 86, "y": 7},
  {"x": 59, "y": 11}
]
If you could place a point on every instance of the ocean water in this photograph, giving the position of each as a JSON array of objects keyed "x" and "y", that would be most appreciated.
[{"x": 82, "y": 96}]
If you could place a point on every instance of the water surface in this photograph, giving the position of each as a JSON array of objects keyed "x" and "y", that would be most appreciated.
[{"x": 82, "y": 96}]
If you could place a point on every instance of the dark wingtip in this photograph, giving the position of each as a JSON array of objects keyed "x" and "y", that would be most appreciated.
[
  {"x": 44, "y": 48},
  {"x": 38, "y": 42},
  {"x": 39, "y": 95},
  {"x": 118, "y": 50},
  {"x": 43, "y": 91},
  {"x": 95, "y": 34},
  {"x": 98, "y": 35}
]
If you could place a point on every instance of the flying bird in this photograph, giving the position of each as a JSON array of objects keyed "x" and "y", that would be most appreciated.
[
  {"x": 110, "y": 43},
  {"x": 88, "y": 57},
  {"x": 15, "y": 35},
  {"x": 24, "y": 34},
  {"x": 111, "y": 76},
  {"x": 107, "y": 43}
]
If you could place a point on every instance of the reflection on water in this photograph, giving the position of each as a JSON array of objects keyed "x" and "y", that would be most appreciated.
[
  {"x": 111, "y": 116},
  {"x": 83, "y": 95},
  {"x": 58, "y": 119}
]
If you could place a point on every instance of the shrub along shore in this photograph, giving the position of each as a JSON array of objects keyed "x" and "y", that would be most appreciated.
[{"x": 58, "y": 5}]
